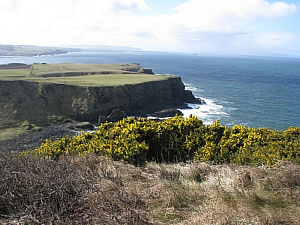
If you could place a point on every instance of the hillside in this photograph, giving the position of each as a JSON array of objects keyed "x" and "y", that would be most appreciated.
[
  {"x": 89, "y": 178},
  {"x": 48, "y": 94},
  {"x": 97, "y": 190},
  {"x": 32, "y": 50}
]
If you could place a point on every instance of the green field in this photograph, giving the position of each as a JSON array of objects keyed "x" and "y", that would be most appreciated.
[
  {"x": 11, "y": 73},
  {"x": 63, "y": 68},
  {"x": 102, "y": 80},
  {"x": 83, "y": 74}
]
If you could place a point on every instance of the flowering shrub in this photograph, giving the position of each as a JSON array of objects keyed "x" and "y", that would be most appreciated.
[{"x": 136, "y": 140}]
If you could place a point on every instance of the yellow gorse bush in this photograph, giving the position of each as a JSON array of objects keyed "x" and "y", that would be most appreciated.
[{"x": 136, "y": 140}]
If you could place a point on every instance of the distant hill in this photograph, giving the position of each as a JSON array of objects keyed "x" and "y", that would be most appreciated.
[
  {"x": 31, "y": 50},
  {"x": 103, "y": 48}
]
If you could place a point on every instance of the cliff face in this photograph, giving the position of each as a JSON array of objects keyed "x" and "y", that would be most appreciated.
[{"x": 46, "y": 103}]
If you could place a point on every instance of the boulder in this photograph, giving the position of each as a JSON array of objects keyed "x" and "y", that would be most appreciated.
[
  {"x": 115, "y": 116},
  {"x": 190, "y": 98},
  {"x": 84, "y": 126},
  {"x": 168, "y": 113},
  {"x": 102, "y": 119}
]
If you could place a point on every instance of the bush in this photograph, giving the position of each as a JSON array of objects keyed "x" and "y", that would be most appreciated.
[{"x": 180, "y": 139}]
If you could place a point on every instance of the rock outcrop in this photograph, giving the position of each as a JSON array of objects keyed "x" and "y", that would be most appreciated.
[
  {"x": 115, "y": 116},
  {"x": 50, "y": 103},
  {"x": 167, "y": 113}
]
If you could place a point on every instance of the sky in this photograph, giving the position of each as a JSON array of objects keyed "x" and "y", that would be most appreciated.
[{"x": 195, "y": 26}]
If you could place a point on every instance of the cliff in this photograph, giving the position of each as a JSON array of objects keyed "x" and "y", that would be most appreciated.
[{"x": 42, "y": 103}]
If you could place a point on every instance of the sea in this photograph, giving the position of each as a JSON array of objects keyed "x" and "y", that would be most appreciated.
[{"x": 254, "y": 91}]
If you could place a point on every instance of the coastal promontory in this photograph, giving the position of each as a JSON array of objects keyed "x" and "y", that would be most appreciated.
[{"x": 46, "y": 94}]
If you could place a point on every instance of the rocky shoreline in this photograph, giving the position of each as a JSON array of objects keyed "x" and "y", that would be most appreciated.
[
  {"x": 34, "y": 138},
  {"x": 44, "y": 104}
]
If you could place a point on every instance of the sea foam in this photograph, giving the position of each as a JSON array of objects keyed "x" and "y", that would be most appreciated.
[{"x": 208, "y": 112}]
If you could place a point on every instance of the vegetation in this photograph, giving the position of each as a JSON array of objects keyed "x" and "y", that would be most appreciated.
[
  {"x": 140, "y": 171},
  {"x": 82, "y": 74},
  {"x": 84, "y": 180},
  {"x": 38, "y": 69},
  {"x": 96, "y": 190},
  {"x": 13, "y": 73},
  {"x": 178, "y": 140},
  {"x": 101, "y": 80},
  {"x": 30, "y": 50},
  {"x": 14, "y": 132},
  {"x": 71, "y": 74}
]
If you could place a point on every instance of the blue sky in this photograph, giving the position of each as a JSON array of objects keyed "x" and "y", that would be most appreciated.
[{"x": 196, "y": 26}]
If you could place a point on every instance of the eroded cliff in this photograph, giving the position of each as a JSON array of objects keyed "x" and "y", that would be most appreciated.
[{"x": 42, "y": 103}]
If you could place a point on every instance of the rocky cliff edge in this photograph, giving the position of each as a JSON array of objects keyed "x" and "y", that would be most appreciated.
[
  {"x": 40, "y": 103},
  {"x": 49, "y": 103}
]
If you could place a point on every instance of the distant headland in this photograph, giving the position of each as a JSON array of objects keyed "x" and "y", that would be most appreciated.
[{"x": 32, "y": 50}]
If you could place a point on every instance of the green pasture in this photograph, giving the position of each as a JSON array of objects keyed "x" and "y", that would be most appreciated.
[
  {"x": 63, "y": 68},
  {"x": 84, "y": 74},
  {"x": 14, "y": 73},
  {"x": 102, "y": 79}
]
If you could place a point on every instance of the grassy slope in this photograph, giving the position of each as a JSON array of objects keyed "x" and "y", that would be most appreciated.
[{"x": 97, "y": 190}]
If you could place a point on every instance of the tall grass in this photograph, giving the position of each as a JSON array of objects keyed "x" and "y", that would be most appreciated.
[{"x": 96, "y": 190}]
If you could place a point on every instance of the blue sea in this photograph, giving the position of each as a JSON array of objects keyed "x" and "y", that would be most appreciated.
[{"x": 245, "y": 90}]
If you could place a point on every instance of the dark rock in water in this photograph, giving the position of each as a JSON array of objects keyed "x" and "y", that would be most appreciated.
[
  {"x": 146, "y": 71},
  {"x": 115, "y": 116},
  {"x": 190, "y": 98},
  {"x": 167, "y": 113}
]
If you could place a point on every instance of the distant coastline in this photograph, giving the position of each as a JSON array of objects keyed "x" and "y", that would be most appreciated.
[{"x": 31, "y": 50}]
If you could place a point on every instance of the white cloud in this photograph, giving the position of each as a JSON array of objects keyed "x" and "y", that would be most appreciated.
[
  {"x": 194, "y": 24},
  {"x": 6, "y": 5},
  {"x": 217, "y": 15},
  {"x": 130, "y": 5},
  {"x": 262, "y": 40}
]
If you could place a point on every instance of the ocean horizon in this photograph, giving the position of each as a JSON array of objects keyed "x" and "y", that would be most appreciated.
[{"x": 255, "y": 91}]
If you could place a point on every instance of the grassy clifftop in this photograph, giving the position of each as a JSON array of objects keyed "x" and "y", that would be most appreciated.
[
  {"x": 44, "y": 94},
  {"x": 80, "y": 74}
]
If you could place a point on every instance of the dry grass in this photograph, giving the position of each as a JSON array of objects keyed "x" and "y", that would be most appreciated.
[{"x": 96, "y": 190}]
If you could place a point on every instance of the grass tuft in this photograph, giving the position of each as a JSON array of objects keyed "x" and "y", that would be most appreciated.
[{"x": 96, "y": 190}]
